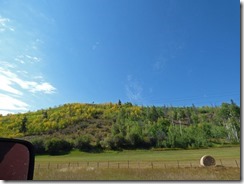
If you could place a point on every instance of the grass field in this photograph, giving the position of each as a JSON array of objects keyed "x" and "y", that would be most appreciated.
[{"x": 140, "y": 165}]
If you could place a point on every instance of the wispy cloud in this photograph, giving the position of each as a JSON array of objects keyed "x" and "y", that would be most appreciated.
[
  {"x": 42, "y": 87},
  {"x": 94, "y": 46},
  {"x": 23, "y": 59},
  {"x": 159, "y": 64},
  {"x": 14, "y": 88},
  {"x": 168, "y": 54},
  {"x": 9, "y": 104},
  {"x": 20, "y": 78},
  {"x": 10, "y": 79},
  {"x": 4, "y": 25},
  {"x": 133, "y": 89}
]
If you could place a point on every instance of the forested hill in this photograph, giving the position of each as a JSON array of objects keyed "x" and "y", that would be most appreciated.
[{"x": 127, "y": 126}]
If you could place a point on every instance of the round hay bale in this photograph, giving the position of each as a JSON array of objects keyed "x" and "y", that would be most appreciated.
[{"x": 207, "y": 160}]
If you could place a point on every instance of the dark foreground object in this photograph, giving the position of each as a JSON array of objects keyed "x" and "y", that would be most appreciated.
[{"x": 16, "y": 159}]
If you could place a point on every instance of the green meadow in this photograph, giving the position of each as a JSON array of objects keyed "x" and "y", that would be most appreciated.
[
  {"x": 140, "y": 165},
  {"x": 144, "y": 155}
]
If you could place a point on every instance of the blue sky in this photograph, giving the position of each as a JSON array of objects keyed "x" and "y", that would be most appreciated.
[{"x": 148, "y": 52}]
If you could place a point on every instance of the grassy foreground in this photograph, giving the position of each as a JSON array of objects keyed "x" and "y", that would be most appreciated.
[
  {"x": 140, "y": 165},
  {"x": 214, "y": 173}
]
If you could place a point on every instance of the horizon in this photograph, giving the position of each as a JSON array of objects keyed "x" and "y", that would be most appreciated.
[{"x": 123, "y": 103}]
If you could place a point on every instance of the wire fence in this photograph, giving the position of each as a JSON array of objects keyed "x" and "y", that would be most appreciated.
[{"x": 132, "y": 164}]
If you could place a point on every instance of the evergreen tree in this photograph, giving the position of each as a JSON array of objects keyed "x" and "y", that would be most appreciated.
[
  {"x": 23, "y": 127},
  {"x": 153, "y": 114}
]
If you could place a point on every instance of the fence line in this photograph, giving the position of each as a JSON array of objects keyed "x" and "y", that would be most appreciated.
[{"x": 132, "y": 164}]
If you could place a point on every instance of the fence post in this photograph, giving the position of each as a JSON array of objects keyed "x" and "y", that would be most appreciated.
[
  {"x": 178, "y": 163},
  {"x": 69, "y": 165},
  {"x": 128, "y": 164},
  {"x": 97, "y": 164},
  {"x": 48, "y": 165},
  {"x": 236, "y": 163},
  {"x": 220, "y": 161},
  {"x": 108, "y": 164},
  {"x": 118, "y": 164},
  {"x": 152, "y": 164}
]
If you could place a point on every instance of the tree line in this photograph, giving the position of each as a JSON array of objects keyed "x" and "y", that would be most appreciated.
[{"x": 118, "y": 126}]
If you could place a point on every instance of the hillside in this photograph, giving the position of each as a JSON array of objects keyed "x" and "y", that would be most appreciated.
[{"x": 127, "y": 126}]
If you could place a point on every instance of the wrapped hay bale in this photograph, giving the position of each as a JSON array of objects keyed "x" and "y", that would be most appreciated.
[{"x": 207, "y": 160}]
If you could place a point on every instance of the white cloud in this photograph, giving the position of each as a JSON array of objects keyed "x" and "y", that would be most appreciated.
[
  {"x": 25, "y": 59},
  {"x": 20, "y": 79},
  {"x": 6, "y": 86},
  {"x": 3, "y": 21},
  {"x": 10, "y": 104},
  {"x": 9, "y": 93},
  {"x": 33, "y": 59},
  {"x": 43, "y": 87},
  {"x": 4, "y": 112},
  {"x": 6, "y": 82},
  {"x": 10, "y": 79},
  {"x": 20, "y": 60},
  {"x": 7, "y": 64},
  {"x": 133, "y": 89},
  {"x": 4, "y": 25},
  {"x": 39, "y": 77}
]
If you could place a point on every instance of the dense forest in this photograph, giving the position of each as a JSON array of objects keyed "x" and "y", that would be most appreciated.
[{"x": 118, "y": 126}]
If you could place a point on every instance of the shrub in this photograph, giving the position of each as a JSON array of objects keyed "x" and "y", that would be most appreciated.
[
  {"x": 39, "y": 146},
  {"x": 56, "y": 146},
  {"x": 83, "y": 143},
  {"x": 116, "y": 142}
]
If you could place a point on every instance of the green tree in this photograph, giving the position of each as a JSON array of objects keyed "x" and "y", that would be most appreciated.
[
  {"x": 23, "y": 127},
  {"x": 44, "y": 114},
  {"x": 172, "y": 138},
  {"x": 114, "y": 142},
  {"x": 196, "y": 136},
  {"x": 229, "y": 115},
  {"x": 134, "y": 136},
  {"x": 153, "y": 114},
  {"x": 206, "y": 129},
  {"x": 158, "y": 131},
  {"x": 83, "y": 143}
]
